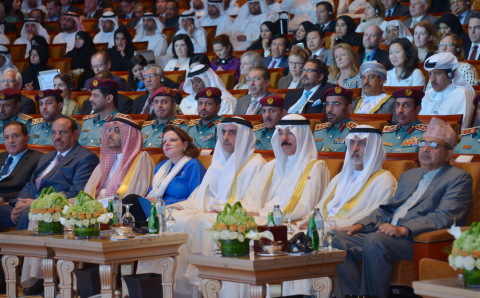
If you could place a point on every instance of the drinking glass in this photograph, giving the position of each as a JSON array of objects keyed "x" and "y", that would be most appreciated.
[
  {"x": 290, "y": 230},
  {"x": 330, "y": 229},
  {"x": 127, "y": 218},
  {"x": 170, "y": 222}
]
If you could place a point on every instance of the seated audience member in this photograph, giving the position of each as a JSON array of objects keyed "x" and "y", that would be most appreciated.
[
  {"x": 150, "y": 29},
  {"x": 71, "y": 24},
  {"x": 424, "y": 36},
  {"x": 108, "y": 25},
  {"x": 5, "y": 59},
  {"x": 28, "y": 6},
  {"x": 316, "y": 45},
  {"x": 139, "y": 10},
  {"x": 231, "y": 7},
  {"x": 189, "y": 25},
  {"x": 50, "y": 105},
  {"x": 123, "y": 167},
  {"x": 344, "y": 70},
  {"x": 216, "y": 16},
  {"x": 308, "y": 99},
  {"x": 246, "y": 26},
  {"x": 296, "y": 59},
  {"x": 13, "y": 11},
  {"x": 67, "y": 6},
  {"x": 451, "y": 94},
  {"x": 371, "y": 41},
  {"x": 175, "y": 177},
  {"x": 82, "y": 52},
  {"x": 203, "y": 131},
  {"x": 159, "y": 8},
  {"x": 272, "y": 111},
  {"x": 300, "y": 36},
  {"x": 104, "y": 102},
  {"x": 405, "y": 136},
  {"x": 200, "y": 77},
  {"x": 10, "y": 103},
  {"x": 247, "y": 61},
  {"x": 295, "y": 180},
  {"x": 30, "y": 29},
  {"x": 12, "y": 79},
  {"x": 64, "y": 82},
  {"x": 171, "y": 14},
  {"x": 449, "y": 23},
  {"x": 92, "y": 10},
  {"x": 267, "y": 30},
  {"x": 101, "y": 61},
  {"x": 325, "y": 16},
  {"x": 393, "y": 8},
  {"x": 373, "y": 14},
  {"x": 182, "y": 50},
  {"x": 153, "y": 79},
  {"x": 122, "y": 51},
  {"x": 135, "y": 72},
  {"x": 345, "y": 32},
  {"x": 418, "y": 11},
  {"x": 225, "y": 60},
  {"x": 427, "y": 198},
  {"x": 453, "y": 44},
  {"x": 395, "y": 29},
  {"x": 461, "y": 9},
  {"x": 38, "y": 58},
  {"x": 66, "y": 169},
  {"x": 330, "y": 136},
  {"x": 404, "y": 59},
  {"x": 470, "y": 45},
  {"x": 18, "y": 162},
  {"x": 258, "y": 80},
  {"x": 374, "y": 101},
  {"x": 39, "y": 16},
  {"x": 164, "y": 106},
  {"x": 127, "y": 9},
  {"x": 470, "y": 137}
]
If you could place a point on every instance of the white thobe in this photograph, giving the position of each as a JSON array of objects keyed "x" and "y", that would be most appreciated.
[
  {"x": 156, "y": 43},
  {"x": 68, "y": 38},
  {"x": 223, "y": 23},
  {"x": 105, "y": 37},
  {"x": 250, "y": 27}
]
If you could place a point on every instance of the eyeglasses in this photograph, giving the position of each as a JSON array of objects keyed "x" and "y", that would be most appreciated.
[
  {"x": 255, "y": 79},
  {"x": 334, "y": 104},
  {"x": 296, "y": 63},
  {"x": 10, "y": 81},
  {"x": 309, "y": 70},
  {"x": 432, "y": 144},
  {"x": 441, "y": 45},
  {"x": 152, "y": 75}
]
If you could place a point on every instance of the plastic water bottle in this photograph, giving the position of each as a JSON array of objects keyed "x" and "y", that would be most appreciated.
[
  {"x": 160, "y": 205},
  {"x": 317, "y": 216},
  {"x": 277, "y": 215},
  {"x": 117, "y": 207}
]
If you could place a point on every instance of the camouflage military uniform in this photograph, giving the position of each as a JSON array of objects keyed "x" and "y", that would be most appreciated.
[
  {"x": 263, "y": 136},
  {"x": 469, "y": 142},
  {"x": 204, "y": 135},
  {"x": 397, "y": 139},
  {"x": 152, "y": 131},
  {"x": 331, "y": 138}
]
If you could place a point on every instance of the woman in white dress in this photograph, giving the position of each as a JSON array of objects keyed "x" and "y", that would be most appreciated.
[
  {"x": 404, "y": 58},
  {"x": 182, "y": 52}
]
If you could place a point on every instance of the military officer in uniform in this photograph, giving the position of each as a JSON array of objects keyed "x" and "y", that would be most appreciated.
[
  {"x": 272, "y": 112},
  {"x": 470, "y": 137},
  {"x": 50, "y": 104},
  {"x": 203, "y": 131},
  {"x": 164, "y": 106},
  {"x": 104, "y": 101},
  {"x": 330, "y": 136},
  {"x": 405, "y": 136},
  {"x": 10, "y": 103}
]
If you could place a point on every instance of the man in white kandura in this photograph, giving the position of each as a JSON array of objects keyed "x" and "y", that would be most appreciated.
[{"x": 295, "y": 179}]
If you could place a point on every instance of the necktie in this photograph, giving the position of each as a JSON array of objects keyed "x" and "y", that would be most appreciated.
[
  {"x": 298, "y": 106},
  {"x": 38, "y": 181},
  {"x": 473, "y": 55},
  {"x": 252, "y": 107},
  {"x": 389, "y": 13},
  {"x": 6, "y": 166},
  {"x": 414, "y": 22},
  {"x": 273, "y": 63},
  {"x": 367, "y": 58},
  {"x": 146, "y": 108}
]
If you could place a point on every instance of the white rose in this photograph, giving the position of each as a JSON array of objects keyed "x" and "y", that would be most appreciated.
[
  {"x": 477, "y": 263},
  {"x": 62, "y": 220},
  {"x": 458, "y": 262},
  {"x": 47, "y": 217},
  {"x": 451, "y": 262},
  {"x": 469, "y": 263},
  {"x": 224, "y": 235},
  {"x": 233, "y": 235},
  {"x": 104, "y": 218},
  {"x": 241, "y": 237},
  {"x": 215, "y": 235},
  {"x": 56, "y": 216},
  {"x": 86, "y": 222}
]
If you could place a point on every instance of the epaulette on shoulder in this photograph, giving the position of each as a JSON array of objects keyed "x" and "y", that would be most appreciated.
[
  {"x": 390, "y": 128},
  {"x": 217, "y": 122},
  {"x": 193, "y": 122},
  {"x": 86, "y": 117},
  {"x": 123, "y": 115},
  {"x": 24, "y": 117},
  {"x": 421, "y": 127},
  {"x": 178, "y": 121},
  {"x": 351, "y": 125},
  {"x": 322, "y": 126},
  {"x": 37, "y": 121},
  {"x": 468, "y": 131},
  {"x": 258, "y": 126},
  {"x": 147, "y": 123}
]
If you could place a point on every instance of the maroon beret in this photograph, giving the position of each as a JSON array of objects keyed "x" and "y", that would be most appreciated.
[
  {"x": 209, "y": 92},
  {"x": 103, "y": 83},
  {"x": 273, "y": 100},
  {"x": 337, "y": 91},
  {"x": 163, "y": 91},
  {"x": 46, "y": 93},
  {"x": 9, "y": 93},
  {"x": 408, "y": 93}
]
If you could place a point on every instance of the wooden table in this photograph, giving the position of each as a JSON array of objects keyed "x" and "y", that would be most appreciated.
[
  {"x": 258, "y": 271},
  {"x": 444, "y": 287},
  {"x": 105, "y": 252}
]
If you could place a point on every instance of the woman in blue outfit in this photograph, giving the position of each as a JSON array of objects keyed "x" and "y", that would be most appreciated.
[{"x": 175, "y": 178}]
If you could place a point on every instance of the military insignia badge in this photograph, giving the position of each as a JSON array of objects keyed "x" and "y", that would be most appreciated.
[
  {"x": 95, "y": 83},
  {"x": 40, "y": 94},
  {"x": 408, "y": 92},
  {"x": 2, "y": 96},
  {"x": 209, "y": 92},
  {"x": 269, "y": 100},
  {"x": 338, "y": 89}
]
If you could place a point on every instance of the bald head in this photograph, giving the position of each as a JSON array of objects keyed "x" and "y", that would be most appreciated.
[{"x": 372, "y": 37}]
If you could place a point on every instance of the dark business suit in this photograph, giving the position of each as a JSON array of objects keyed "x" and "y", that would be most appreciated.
[
  {"x": 11, "y": 185},
  {"x": 28, "y": 105},
  {"x": 400, "y": 10},
  {"x": 314, "y": 104},
  {"x": 283, "y": 63},
  {"x": 446, "y": 199},
  {"x": 431, "y": 19},
  {"x": 243, "y": 103},
  {"x": 329, "y": 28},
  {"x": 124, "y": 105},
  {"x": 380, "y": 56}
]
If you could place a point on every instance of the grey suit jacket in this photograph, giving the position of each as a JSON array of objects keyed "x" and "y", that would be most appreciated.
[
  {"x": 284, "y": 82},
  {"x": 447, "y": 198},
  {"x": 243, "y": 103},
  {"x": 427, "y": 17},
  {"x": 326, "y": 57}
]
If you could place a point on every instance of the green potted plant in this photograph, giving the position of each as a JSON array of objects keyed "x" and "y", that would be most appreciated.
[{"x": 46, "y": 211}]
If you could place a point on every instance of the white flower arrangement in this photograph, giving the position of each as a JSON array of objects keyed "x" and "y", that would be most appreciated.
[
  {"x": 466, "y": 248},
  {"x": 48, "y": 206}
]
